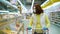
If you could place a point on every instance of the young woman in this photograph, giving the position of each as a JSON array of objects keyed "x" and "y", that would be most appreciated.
[{"x": 39, "y": 20}]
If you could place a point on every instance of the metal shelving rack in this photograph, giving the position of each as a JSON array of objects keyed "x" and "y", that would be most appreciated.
[{"x": 55, "y": 18}]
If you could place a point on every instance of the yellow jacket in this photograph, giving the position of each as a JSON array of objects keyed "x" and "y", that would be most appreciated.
[{"x": 38, "y": 25}]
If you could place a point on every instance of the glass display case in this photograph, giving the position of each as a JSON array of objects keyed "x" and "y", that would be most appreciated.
[{"x": 10, "y": 23}]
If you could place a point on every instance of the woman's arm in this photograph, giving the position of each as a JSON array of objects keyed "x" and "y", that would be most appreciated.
[{"x": 47, "y": 21}]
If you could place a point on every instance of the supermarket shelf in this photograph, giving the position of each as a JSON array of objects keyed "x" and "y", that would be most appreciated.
[
  {"x": 6, "y": 22},
  {"x": 55, "y": 18}
]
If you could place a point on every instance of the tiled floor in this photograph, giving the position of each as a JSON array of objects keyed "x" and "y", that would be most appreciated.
[{"x": 54, "y": 29}]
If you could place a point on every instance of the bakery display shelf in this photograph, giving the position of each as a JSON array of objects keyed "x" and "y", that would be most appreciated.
[{"x": 6, "y": 22}]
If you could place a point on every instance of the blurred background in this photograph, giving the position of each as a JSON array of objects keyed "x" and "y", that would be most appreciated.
[{"x": 15, "y": 15}]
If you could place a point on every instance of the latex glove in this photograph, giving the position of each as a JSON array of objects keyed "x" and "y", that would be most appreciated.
[
  {"x": 45, "y": 28},
  {"x": 29, "y": 28}
]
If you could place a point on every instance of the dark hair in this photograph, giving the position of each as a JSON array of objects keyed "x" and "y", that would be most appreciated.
[{"x": 38, "y": 9}]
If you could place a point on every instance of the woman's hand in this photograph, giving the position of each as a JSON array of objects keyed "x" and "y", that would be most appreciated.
[
  {"x": 45, "y": 28},
  {"x": 29, "y": 28}
]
